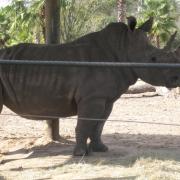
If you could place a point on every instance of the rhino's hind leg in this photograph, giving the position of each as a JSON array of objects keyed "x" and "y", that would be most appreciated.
[
  {"x": 52, "y": 130},
  {"x": 1, "y": 97},
  {"x": 87, "y": 128}
]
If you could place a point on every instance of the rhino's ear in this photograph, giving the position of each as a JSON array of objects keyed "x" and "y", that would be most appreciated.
[
  {"x": 147, "y": 26},
  {"x": 131, "y": 21},
  {"x": 169, "y": 44}
]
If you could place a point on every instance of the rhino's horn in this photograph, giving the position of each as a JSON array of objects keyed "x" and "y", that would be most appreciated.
[{"x": 168, "y": 46}]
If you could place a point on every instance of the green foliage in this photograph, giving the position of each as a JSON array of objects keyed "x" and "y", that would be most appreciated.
[
  {"x": 165, "y": 16},
  {"x": 132, "y": 7},
  {"x": 24, "y": 20},
  {"x": 83, "y": 16},
  {"x": 20, "y": 21}
]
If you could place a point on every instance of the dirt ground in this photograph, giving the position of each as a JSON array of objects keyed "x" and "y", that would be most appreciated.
[{"x": 144, "y": 144}]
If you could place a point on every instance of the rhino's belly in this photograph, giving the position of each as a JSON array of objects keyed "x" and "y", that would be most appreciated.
[
  {"x": 43, "y": 106},
  {"x": 39, "y": 90}
]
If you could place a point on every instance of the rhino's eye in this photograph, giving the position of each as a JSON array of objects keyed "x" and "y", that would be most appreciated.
[{"x": 153, "y": 59}]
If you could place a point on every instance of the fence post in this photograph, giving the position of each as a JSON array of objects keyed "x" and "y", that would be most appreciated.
[{"x": 52, "y": 15}]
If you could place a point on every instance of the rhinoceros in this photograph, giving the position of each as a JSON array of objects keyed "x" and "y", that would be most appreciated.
[{"x": 88, "y": 92}]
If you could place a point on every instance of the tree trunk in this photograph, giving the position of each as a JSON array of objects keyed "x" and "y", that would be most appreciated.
[
  {"x": 52, "y": 16},
  {"x": 158, "y": 41},
  {"x": 121, "y": 11},
  {"x": 42, "y": 22}
]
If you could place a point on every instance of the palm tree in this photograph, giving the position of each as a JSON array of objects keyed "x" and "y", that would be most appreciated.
[
  {"x": 121, "y": 10},
  {"x": 164, "y": 13}
]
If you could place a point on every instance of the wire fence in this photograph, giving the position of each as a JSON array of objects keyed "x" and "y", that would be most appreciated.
[{"x": 93, "y": 119}]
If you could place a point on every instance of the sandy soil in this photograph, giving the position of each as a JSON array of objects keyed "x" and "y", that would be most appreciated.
[{"x": 148, "y": 128}]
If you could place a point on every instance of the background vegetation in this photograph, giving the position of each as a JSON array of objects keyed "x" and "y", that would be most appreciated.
[{"x": 23, "y": 20}]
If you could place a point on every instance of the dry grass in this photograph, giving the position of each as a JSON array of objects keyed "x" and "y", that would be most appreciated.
[{"x": 141, "y": 169}]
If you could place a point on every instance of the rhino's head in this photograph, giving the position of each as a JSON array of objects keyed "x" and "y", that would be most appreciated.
[{"x": 141, "y": 50}]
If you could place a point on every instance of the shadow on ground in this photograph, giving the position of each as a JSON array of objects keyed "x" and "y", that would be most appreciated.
[
  {"x": 2, "y": 178},
  {"x": 124, "y": 149}
]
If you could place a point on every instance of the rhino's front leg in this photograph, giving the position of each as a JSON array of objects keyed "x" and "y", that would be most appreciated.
[
  {"x": 96, "y": 144},
  {"x": 92, "y": 109}
]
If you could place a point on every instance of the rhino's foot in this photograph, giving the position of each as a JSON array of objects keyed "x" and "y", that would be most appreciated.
[
  {"x": 65, "y": 141},
  {"x": 80, "y": 150},
  {"x": 57, "y": 138},
  {"x": 61, "y": 140},
  {"x": 98, "y": 147}
]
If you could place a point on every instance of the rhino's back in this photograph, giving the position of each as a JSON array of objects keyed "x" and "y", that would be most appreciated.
[
  {"x": 53, "y": 90},
  {"x": 37, "y": 89}
]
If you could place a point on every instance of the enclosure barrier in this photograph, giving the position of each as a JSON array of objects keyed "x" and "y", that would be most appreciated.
[
  {"x": 92, "y": 64},
  {"x": 92, "y": 119}
]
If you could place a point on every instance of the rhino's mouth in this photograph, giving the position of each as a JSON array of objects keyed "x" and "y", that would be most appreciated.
[
  {"x": 171, "y": 86},
  {"x": 173, "y": 82}
]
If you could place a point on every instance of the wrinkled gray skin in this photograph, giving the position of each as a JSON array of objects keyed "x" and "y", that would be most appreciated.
[{"x": 88, "y": 92}]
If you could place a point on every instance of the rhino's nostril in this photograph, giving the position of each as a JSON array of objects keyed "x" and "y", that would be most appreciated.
[
  {"x": 174, "y": 78},
  {"x": 153, "y": 59}
]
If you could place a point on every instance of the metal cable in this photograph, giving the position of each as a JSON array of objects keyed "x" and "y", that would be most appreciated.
[
  {"x": 91, "y": 64},
  {"x": 91, "y": 119}
]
